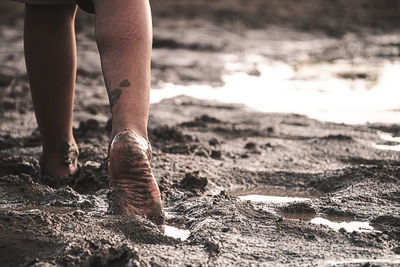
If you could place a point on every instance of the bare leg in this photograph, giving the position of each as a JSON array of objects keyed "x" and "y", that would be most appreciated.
[
  {"x": 50, "y": 53},
  {"x": 124, "y": 39}
]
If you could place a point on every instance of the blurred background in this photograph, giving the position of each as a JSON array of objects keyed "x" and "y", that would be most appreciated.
[{"x": 334, "y": 60}]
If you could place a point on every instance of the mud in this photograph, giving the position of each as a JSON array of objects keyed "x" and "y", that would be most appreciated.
[{"x": 207, "y": 154}]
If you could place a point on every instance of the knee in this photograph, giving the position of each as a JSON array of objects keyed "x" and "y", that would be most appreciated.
[{"x": 120, "y": 32}]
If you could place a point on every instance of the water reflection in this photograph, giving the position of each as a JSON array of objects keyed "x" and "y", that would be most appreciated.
[
  {"x": 388, "y": 147},
  {"x": 338, "y": 92},
  {"x": 388, "y": 137},
  {"x": 347, "y": 226},
  {"x": 272, "y": 199},
  {"x": 280, "y": 196},
  {"x": 176, "y": 232},
  {"x": 389, "y": 259},
  {"x": 275, "y": 195},
  {"x": 334, "y": 222},
  {"x": 395, "y": 143}
]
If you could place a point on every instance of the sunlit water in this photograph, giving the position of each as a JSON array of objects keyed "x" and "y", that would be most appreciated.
[
  {"x": 272, "y": 199},
  {"x": 281, "y": 196},
  {"x": 353, "y": 226},
  {"x": 389, "y": 138},
  {"x": 176, "y": 232},
  {"x": 338, "y": 92},
  {"x": 274, "y": 195},
  {"x": 334, "y": 223},
  {"x": 389, "y": 259},
  {"x": 172, "y": 230}
]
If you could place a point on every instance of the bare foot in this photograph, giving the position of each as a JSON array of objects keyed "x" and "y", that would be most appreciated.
[
  {"x": 59, "y": 167},
  {"x": 135, "y": 188}
]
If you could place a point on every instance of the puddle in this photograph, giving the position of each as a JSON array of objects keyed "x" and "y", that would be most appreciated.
[
  {"x": 353, "y": 226},
  {"x": 338, "y": 92},
  {"x": 172, "y": 229},
  {"x": 389, "y": 138},
  {"x": 171, "y": 214},
  {"x": 388, "y": 147},
  {"x": 176, "y": 232},
  {"x": 334, "y": 222},
  {"x": 274, "y": 195},
  {"x": 390, "y": 260},
  {"x": 298, "y": 216},
  {"x": 272, "y": 199}
]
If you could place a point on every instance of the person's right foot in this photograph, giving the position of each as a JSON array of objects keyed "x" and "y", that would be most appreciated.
[{"x": 135, "y": 188}]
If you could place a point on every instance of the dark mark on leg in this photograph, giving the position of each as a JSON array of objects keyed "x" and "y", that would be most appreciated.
[
  {"x": 125, "y": 83},
  {"x": 114, "y": 97},
  {"x": 69, "y": 154}
]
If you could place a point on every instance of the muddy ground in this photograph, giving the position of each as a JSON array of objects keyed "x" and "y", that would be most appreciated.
[{"x": 207, "y": 153}]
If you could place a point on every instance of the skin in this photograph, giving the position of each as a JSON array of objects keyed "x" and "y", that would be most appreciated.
[
  {"x": 70, "y": 154},
  {"x": 135, "y": 188},
  {"x": 50, "y": 53},
  {"x": 124, "y": 39}
]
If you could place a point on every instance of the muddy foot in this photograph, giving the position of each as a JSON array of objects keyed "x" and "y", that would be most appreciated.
[
  {"x": 57, "y": 181},
  {"x": 135, "y": 188},
  {"x": 60, "y": 168}
]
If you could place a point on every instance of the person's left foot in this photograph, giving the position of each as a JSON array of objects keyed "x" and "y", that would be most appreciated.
[
  {"x": 135, "y": 188},
  {"x": 60, "y": 167}
]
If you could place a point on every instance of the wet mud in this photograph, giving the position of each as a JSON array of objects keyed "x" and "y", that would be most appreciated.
[
  {"x": 206, "y": 157},
  {"x": 333, "y": 168}
]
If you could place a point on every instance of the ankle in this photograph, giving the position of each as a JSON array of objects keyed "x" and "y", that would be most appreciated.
[
  {"x": 62, "y": 161},
  {"x": 128, "y": 142},
  {"x": 138, "y": 128}
]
